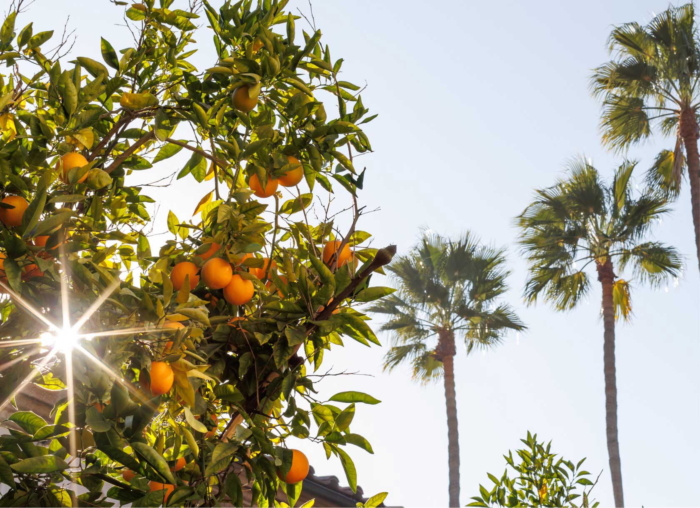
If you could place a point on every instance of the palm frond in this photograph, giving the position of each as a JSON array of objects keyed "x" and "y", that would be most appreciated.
[
  {"x": 667, "y": 172},
  {"x": 622, "y": 300},
  {"x": 653, "y": 262}
]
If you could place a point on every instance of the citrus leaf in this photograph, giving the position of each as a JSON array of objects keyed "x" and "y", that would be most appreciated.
[
  {"x": 29, "y": 421},
  {"x": 373, "y": 293},
  {"x": 194, "y": 423},
  {"x": 108, "y": 54},
  {"x": 42, "y": 464},
  {"x": 353, "y": 397},
  {"x": 155, "y": 459}
]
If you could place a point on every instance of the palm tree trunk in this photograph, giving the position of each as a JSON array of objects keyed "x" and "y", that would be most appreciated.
[
  {"x": 690, "y": 132},
  {"x": 446, "y": 351},
  {"x": 606, "y": 277}
]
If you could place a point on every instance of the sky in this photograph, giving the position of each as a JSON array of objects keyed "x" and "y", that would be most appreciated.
[{"x": 479, "y": 103}]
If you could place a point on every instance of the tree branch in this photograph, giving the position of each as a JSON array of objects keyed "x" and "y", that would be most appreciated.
[
  {"x": 201, "y": 152},
  {"x": 130, "y": 151}
]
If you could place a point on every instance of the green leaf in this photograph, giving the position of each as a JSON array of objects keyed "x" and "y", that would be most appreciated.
[
  {"x": 155, "y": 459},
  {"x": 349, "y": 467},
  {"x": 358, "y": 440},
  {"x": 14, "y": 274},
  {"x": 376, "y": 500},
  {"x": 193, "y": 422},
  {"x": 373, "y": 293},
  {"x": 37, "y": 465},
  {"x": 166, "y": 151},
  {"x": 39, "y": 39},
  {"x": 221, "y": 458},
  {"x": 297, "y": 204},
  {"x": 8, "y": 28},
  {"x": 120, "y": 456},
  {"x": 108, "y": 54},
  {"x": 52, "y": 222},
  {"x": 344, "y": 419},
  {"x": 94, "y": 67},
  {"x": 6, "y": 475},
  {"x": 29, "y": 422},
  {"x": 353, "y": 397},
  {"x": 96, "y": 421},
  {"x": 234, "y": 490}
]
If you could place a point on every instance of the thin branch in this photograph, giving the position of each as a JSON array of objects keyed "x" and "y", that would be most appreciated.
[
  {"x": 201, "y": 152},
  {"x": 130, "y": 151}
]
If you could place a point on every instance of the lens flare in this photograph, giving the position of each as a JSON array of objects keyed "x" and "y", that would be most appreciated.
[{"x": 61, "y": 340}]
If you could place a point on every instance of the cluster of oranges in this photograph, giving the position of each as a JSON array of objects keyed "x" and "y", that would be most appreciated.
[{"x": 217, "y": 273}]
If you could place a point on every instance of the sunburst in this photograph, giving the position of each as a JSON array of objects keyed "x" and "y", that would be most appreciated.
[{"x": 65, "y": 340}]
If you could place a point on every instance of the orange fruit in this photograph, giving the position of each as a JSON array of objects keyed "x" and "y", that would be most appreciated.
[
  {"x": 217, "y": 273},
  {"x": 12, "y": 217},
  {"x": 40, "y": 241},
  {"x": 128, "y": 475},
  {"x": 299, "y": 469},
  {"x": 260, "y": 272},
  {"x": 167, "y": 487},
  {"x": 100, "y": 407},
  {"x": 30, "y": 271},
  {"x": 331, "y": 248},
  {"x": 162, "y": 377},
  {"x": 239, "y": 291},
  {"x": 72, "y": 160},
  {"x": 242, "y": 101},
  {"x": 168, "y": 345},
  {"x": 213, "y": 247},
  {"x": 293, "y": 176},
  {"x": 180, "y": 271},
  {"x": 179, "y": 464},
  {"x": 257, "y": 188}
]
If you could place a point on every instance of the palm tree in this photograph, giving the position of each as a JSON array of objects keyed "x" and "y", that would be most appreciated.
[
  {"x": 653, "y": 80},
  {"x": 581, "y": 222},
  {"x": 446, "y": 290}
]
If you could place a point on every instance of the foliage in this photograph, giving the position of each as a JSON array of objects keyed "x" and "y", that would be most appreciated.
[
  {"x": 649, "y": 83},
  {"x": 445, "y": 285},
  {"x": 241, "y": 373},
  {"x": 541, "y": 479},
  {"x": 582, "y": 221}
]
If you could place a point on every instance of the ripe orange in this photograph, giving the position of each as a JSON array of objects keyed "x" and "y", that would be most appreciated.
[
  {"x": 331, "y": 248},
  {"x": 40, "y": 241},
  {"x": 242, "y": 101},
  {"x": 12, "y": 217},
  {"x": 168, "y": 487},
  {"x": 239, "y": 291},
  {"x": 179, "y": 464},
  {"x": 30, "y": 271},
  {"x": 162, "y": 377},
  {"x": 293, "y": 176},
  {"x": 261, "y": 272},
  {"x": 180, "y": 271},
  {"x": 128, "y": 475},
  {"x": 213, "y": 247},
  {"x": 257, "y": 188},
  {"x": 72, "y": 160},
  {"x": 217, "y": 273},
  {"x": 100, "y": 407},
  {"x": 299, "y": 469}
]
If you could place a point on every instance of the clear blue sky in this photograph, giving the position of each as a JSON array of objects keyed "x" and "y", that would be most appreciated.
[{"x": 481, "y": 102}]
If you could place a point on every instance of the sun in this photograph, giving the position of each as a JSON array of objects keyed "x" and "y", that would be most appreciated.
[{"x": 61, "y": 340}]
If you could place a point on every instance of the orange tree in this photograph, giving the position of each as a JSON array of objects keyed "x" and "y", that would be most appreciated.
[{"x": 187, "y": 369}]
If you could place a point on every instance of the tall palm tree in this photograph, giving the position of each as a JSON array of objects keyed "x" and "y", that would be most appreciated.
[
  {"x": 446, "y": 290},
  {"x": 653, "y": 80},
  {"x": 582, "y": 222}
]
